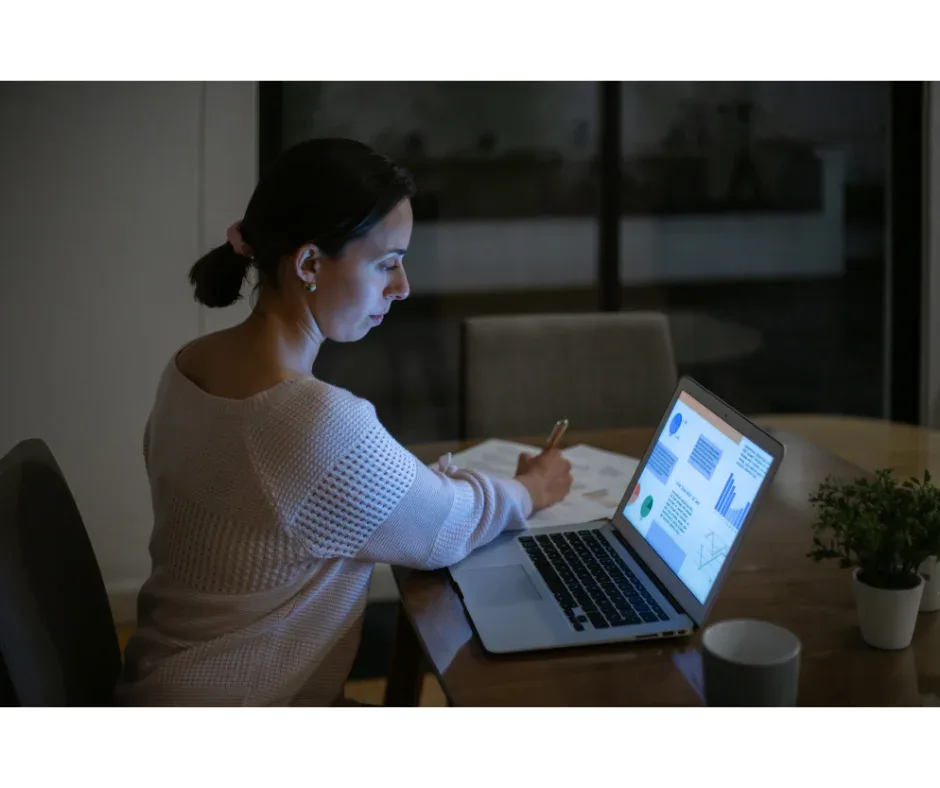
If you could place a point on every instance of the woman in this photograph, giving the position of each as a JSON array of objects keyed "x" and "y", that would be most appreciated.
[{"x": 275, "y": 493}]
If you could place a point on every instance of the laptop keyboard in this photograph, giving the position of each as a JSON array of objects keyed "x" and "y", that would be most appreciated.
[{"x": 590, "y": 581}]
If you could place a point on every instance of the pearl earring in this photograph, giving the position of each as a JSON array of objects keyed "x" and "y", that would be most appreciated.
[{"x": 310, "y": 286}]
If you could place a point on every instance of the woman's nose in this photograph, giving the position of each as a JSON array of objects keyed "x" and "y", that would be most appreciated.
[{"x": 399, "y": 289}]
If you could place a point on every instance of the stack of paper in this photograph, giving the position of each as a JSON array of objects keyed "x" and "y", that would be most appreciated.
[{"x": 600, "y": 478}]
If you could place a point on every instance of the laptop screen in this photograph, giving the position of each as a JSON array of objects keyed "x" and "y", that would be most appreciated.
[{"x": 695, "y": 492}]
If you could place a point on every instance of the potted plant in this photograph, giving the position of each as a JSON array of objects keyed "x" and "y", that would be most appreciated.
[
  {"x": 880, "y": 527},
  {"x": 930, "y": 568}
]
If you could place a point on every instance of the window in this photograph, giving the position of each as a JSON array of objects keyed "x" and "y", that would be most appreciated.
[{"x": 755, "y": 215}]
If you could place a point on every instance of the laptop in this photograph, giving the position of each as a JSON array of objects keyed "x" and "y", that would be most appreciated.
[{"x": 654, "y": 569}]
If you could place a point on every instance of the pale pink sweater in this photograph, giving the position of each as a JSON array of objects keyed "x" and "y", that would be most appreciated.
[{"x": 269, "y": 515}]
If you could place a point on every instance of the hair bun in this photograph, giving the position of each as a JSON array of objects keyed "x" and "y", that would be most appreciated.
[{"x": 218, "y": 276}]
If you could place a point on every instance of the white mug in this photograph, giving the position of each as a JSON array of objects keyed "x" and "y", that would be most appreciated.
[{"x": 750, "y": 663}]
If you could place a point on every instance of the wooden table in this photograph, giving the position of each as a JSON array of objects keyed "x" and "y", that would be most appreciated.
[{"x": 772, "y": 579}]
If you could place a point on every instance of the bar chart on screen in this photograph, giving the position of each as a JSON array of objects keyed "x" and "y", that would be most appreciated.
[{"x": 728, "y": 496}]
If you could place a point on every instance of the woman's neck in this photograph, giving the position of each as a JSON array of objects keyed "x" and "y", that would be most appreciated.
[{"x": 288, "y": 333}]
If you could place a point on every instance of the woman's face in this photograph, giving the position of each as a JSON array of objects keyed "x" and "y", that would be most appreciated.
[{"x": 355, "y": 291}]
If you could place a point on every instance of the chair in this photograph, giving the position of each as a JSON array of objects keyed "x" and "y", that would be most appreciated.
[
  {"x": 58, "y": 642},
  {"x": 521, "y": 373}
]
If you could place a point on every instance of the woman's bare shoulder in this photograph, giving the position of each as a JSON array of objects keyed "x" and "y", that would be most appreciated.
[{"x": 223, "y": 366}]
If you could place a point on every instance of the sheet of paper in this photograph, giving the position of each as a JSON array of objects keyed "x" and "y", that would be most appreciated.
[
  {"x": 495, "y": 457},
  {"x": 599, "y": 475},
  {"x": 600, "y": 478}
]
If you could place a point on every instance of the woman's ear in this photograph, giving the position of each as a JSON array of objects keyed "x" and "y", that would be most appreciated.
[{"x": 306, "y": 265}]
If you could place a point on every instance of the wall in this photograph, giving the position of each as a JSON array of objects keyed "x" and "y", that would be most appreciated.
[
  {"x": 230, "y": 171},
  {"x": 109, "y": 192}
]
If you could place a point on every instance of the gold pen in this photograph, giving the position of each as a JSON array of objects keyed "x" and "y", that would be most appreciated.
[{"x": 558, "y": 432}]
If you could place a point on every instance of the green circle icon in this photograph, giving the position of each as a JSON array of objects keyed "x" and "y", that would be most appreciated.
[{"x": 647, "y": 506}]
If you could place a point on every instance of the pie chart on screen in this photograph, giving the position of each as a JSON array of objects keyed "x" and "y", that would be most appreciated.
[
  {"x": 635, "y": 494},
  {"x": 675, "y": 424}
]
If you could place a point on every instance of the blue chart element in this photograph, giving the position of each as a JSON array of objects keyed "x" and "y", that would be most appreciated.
[
  {"x": 705, "y": 457},
  {"x": 734, "y": 516},
  {"x": 664, "y": 545},
  {"x": 675, "y": 424},
  {"x": 662, "y": 462}
]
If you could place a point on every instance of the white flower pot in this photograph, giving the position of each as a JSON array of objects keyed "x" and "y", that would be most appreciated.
[
  {"x": 930, "y": 601},
  {"x": 887, "y": 617}
]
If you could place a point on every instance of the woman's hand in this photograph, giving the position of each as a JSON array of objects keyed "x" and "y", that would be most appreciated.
[{"x": 547, "y": 477}]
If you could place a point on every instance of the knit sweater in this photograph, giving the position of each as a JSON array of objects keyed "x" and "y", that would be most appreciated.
[{"x": 269, "y": 515}]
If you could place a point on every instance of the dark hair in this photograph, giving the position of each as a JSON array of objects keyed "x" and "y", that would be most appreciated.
[{"x": 324, "y": 191}]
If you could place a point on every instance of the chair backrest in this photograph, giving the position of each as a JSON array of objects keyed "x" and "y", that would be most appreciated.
[
  {"x": 58, "y": 641},
  {"x": 521, "y": 373}
]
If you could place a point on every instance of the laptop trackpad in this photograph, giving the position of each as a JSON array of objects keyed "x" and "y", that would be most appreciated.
[{"x": 499, "y": 586}]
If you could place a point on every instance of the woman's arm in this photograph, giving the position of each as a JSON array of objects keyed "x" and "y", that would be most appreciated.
[
  {"x": 481, "y": 507},
  {"x": 445, "y": 515},
  {"x": 379, "y": 503},
  {"x": 375, "y": 501}
]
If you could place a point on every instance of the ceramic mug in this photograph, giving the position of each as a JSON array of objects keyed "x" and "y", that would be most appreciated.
[{"x": 750, "y": 663}]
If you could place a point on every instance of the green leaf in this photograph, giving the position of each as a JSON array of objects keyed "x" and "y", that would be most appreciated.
[{"x": 882, "y": 525}]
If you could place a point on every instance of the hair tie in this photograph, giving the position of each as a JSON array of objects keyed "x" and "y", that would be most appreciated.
[{"x": 234, "y": 237}]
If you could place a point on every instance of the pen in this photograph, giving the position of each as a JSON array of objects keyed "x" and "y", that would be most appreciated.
[{"x": 557, "y": 432}]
